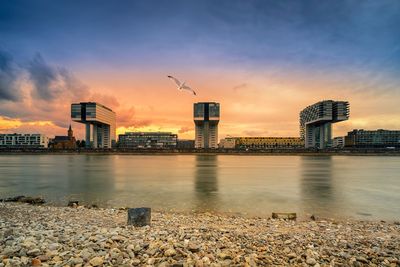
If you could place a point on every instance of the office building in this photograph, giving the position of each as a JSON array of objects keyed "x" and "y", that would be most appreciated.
[
  {"x": 338, "y": 142},
  {"x": 206, "y": 119},
  {"x": 64, "y": 142},
  {"x": 316, "y": 122},
  {"x": 131, "y": 140},
  {"x": 372, "y": 139},
  {"x": 262, "y": 142},
  {"x": 100, "y": 123},
  {"x": 16, "y": 140}
]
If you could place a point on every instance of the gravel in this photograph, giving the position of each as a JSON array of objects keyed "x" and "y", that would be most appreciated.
[{"x": 78, "y": 236}]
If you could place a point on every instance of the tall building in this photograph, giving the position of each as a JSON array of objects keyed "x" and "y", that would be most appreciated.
[
  {"x": 147, "y": 140},
  {"x": 372, "y": 139},
  {"x": 16, "y": 140},
  {"x": 100, "y": 123},
  {"x": 316, "y": 122},
  {"x": 206, "y": 119}
]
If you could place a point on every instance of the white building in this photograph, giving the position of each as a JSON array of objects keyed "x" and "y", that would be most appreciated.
[
  {"x": 206, "y": 119},
  {"x": 100, "y": 123},
  {"x": 24, "y": 140},
  {"x": 338, "y": 142},
  {"x": 228, "y": 143}
]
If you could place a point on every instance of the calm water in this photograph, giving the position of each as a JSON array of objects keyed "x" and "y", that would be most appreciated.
[{"x": 335, "y": 186}]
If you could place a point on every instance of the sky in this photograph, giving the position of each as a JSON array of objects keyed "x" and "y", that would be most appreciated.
[{"x": 263, "y": 61}]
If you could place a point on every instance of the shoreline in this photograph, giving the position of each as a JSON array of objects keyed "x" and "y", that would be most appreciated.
[
  {"x": 205, "y": 153},
  {"x": 50, "y": 235}
]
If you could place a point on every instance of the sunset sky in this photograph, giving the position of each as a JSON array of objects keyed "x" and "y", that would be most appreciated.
[{"x": 263, "y": 61}]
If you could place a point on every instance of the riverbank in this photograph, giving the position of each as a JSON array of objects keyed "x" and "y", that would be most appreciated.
[
  {"x": 272, "y": 152},
  {"x": 64, "y": 236}
]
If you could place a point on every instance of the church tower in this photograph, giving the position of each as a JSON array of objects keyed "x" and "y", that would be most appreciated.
[{"x": 70, "y": 133}]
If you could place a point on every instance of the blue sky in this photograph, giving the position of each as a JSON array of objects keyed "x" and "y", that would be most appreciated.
[{"x": 311, "y": 34}]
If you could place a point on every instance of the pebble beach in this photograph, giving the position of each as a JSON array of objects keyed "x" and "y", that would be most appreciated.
[{"x": 44, "y": 235}]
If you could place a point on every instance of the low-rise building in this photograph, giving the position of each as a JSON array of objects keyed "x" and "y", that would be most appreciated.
[
  {"x": 131, "y": 140},
  {"x": 338, "y": 142},
  {"x": 227, "y": 143},
  {"x": 16, "y": 140},
  {"x": 64, "y": 142},
  {"x": 270, "y": 142},
  {"x": 372, "y": 139},
  {"x": 185, "y": 144},
  {"x": 262, "y": 142}
]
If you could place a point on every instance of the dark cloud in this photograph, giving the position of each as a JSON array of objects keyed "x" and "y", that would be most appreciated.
[
  {"x": 9, "y": 75},
  {"x": 44, "y": 79}
]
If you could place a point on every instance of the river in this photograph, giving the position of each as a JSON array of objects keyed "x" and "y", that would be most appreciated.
[{"x": 360, "y": 187}]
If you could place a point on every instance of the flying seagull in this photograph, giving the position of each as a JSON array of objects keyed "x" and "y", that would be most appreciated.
[{"x": 181, "y": 86}]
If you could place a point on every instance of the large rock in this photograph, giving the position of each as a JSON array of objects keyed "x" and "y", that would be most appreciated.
[{"x": 139, "y": 216}]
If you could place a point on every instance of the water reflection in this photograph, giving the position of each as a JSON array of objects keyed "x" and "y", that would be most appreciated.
[
  {"x": 92, "y": 179},
  {"x": 206, "y": 182},
  {"x": 317, "y": 191}
]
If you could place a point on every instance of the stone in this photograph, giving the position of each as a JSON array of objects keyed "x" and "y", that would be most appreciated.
[
  {"x": 135, "y": 262},
  {"x": 311, "y": 261},
  {"x": 73, "y": 203},
  {"x": 36, "y": 262},
  {"x": 139, "y": 217},
  {"x": 292, "y": 255},
  {"x": 170, "y": 252},
  {"x": 285, "y": 216},
  {"x": 33, "y": 252},
  {"x": 53, "y": 246},
  {"x": 96, "y": 261},
  {"x": 224, "y": 256},
  {"x": 193, "y": 247}
]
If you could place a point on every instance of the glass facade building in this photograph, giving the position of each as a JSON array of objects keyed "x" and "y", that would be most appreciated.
[
  {"x": 316, "y": 122},
  {"x": 147, "y": 140},
  {"x": 373, "y": 139},
  {"x": 100, "y": 123},
  {"x": 206, "y": 118}
]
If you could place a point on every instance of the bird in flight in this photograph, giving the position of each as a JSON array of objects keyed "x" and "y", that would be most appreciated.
[{"x": 181, "y": 86}]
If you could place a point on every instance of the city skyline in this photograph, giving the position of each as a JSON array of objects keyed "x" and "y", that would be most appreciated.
[{"x": 262, "y": 61}]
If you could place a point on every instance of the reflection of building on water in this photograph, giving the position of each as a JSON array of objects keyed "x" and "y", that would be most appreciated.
[
  {"x": 317, "y": 193},
  {"x": 206, "y": 182},
  {"x": 92, "y": 182}
]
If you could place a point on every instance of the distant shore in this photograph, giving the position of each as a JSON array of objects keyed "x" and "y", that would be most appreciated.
[
  {"x": 271, "y": 152},
  {"x": 66, "y": 236}
]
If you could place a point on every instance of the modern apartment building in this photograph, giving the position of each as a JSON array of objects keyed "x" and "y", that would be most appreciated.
[
  {"x": 262, "y": 142},
  {"x": 16, "y": 140},
  {"x": 372, "y": 139},
  {"x": 206, "y": 118},
  {"x": 132, "y": 140},
  {"x": 100, "y": 123},
  {"x": 316, "y": 122}
]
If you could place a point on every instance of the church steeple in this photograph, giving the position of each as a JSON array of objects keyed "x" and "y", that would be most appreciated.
[{"x": 70, "y": 133}]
